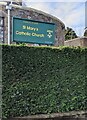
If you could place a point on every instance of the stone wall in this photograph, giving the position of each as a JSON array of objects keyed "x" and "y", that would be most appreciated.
[
  {"x": 25, "y": 12},
  {"x": 82, "y": 42},
  {"x": 74, "y": 115}
]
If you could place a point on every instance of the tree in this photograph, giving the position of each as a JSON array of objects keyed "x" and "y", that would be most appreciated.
[
  {"x": 85, "y": 33},
  {"x": 70, "y": 34}
]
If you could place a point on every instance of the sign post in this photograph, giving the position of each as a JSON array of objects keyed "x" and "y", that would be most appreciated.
[
  {"x": 9, "y": 8},
  {"x": 30, "y": 31}
]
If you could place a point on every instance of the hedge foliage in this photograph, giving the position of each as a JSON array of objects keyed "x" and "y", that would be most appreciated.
[{"x": 43, "y": 80}]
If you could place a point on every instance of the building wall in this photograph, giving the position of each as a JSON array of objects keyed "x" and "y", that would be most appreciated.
[
  {"x": 82, "y": 42},
  {"x": 26, "y": 12}
]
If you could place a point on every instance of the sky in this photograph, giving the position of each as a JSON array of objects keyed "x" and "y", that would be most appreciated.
[{"x": 71, "y": 13}]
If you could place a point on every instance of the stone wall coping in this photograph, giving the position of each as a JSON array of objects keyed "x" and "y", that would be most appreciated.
[
  {"x": 55, "y": 115},
  {"x": 3, "y": 3},
  {"x": 40, "y": 12}
]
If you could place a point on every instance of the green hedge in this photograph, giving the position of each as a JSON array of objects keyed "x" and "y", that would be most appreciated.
[{"x": 40, "y": 80}]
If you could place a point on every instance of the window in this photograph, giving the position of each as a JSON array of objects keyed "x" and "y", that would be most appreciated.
[{"x": 1, "y": 29}]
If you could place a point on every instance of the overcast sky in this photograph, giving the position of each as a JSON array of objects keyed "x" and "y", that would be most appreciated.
[{"x": 70, "y": 12}]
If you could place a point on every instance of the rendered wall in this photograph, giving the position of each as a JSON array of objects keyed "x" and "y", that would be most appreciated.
[{"x": 82, "y": 42}]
